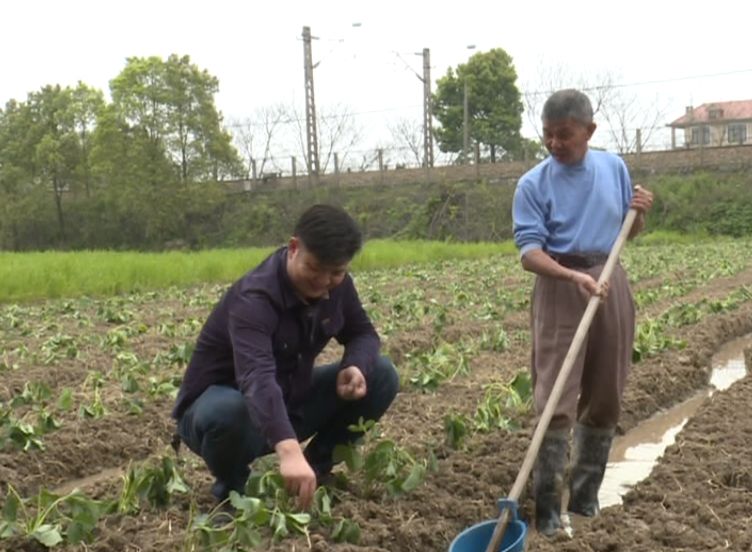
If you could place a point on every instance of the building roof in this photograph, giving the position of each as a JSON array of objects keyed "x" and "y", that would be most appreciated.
[{"x": 722, "y": 111}]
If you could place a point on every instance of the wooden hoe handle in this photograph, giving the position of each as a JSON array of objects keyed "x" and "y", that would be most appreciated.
[{"x": 566, "y": 368}]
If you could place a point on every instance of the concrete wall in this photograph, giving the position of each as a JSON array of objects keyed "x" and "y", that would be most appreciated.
[{"x": 725, "y": 158}]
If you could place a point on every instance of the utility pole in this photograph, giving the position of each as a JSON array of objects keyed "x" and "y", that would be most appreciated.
[
  {"x": 311, "y": 133},
  {"x": 427, "y": 110}
]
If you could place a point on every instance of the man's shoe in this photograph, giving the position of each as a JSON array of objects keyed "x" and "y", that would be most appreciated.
[{"x": 223, "y": 515}]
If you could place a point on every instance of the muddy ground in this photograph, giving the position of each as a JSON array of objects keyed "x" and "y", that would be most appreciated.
[{"x": 699, "y": 497}]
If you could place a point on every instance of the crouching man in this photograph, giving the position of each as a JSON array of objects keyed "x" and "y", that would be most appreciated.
[{"x": 251, "y": 387}]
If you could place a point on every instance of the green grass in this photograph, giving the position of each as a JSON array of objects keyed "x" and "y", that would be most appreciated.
[
  {"x": 388, "y": 254},
  {"x": 671, "y": 237},
  {"x": 48, "y": 275}
]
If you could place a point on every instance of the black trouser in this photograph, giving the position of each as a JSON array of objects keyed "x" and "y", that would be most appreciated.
[{"x": 218, "y": 428}]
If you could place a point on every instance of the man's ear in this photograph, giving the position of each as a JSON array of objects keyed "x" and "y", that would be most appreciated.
[
  {"x": 293, "y": 245},
  {"x": 591, "y": 129}
]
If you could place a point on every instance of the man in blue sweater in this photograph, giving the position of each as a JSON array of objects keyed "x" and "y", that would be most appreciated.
[
  {"x": 567, "y": 213},
  {"x": 251, "y": 387}
]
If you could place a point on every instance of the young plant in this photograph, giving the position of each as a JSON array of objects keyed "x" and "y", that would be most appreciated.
[
  {"x": 341, "y": 529},
  {"x": 456, "y": 430},
  {"x": 51, "y": 519},
  {"x": 651, "y": 339},
  {"x": 444, "y": 363},
  {"x": 497, "y": 341},
  {"x": 503, "y": 404},
  {"x": 383, "y": 465},
  {"x": 95, "y": 409},
  {"x": 153, "y": 483}
]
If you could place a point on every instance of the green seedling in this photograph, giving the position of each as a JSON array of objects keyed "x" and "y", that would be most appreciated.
[
  {"x": 456, "y": 430},
  {"x": 116, "y": 338},
  {"x": 218, "y": 530},
  {"x": 114, "y": 313},
  {"x": 24, "y": 435},
  {"x": 33, "y": 393},
  {"x": 382, "y": 464},
  {"x": 444, "y": 363},
  {"x": 153, "y": 483},
  {"x": 95, "y": 409},
  {"x": 168, "y": 386},
  {"x": 180, "y": 354},
  {"x": 651, "y": 339},
  {"x": 59, "y": 346},
  {"x": 65, "y": 400},
  {"x": 51, "y": 519},
  {"x": 497, "y": 341}
]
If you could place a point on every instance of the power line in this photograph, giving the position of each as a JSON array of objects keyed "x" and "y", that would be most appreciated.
[
  {"x": 408, "y": 67},
  {"x": 644, "y": 83},
  {"x": 298, "y": 120}
]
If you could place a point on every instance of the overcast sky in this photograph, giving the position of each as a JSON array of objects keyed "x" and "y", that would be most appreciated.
[{"x": 669, "y": 53}]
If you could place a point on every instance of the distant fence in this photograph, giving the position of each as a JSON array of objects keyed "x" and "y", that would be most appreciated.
[{"x": 640, "y": 164}]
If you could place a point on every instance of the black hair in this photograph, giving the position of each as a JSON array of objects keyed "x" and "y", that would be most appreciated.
[
  {"x": 568, "y": 104},
  {"x": 329, "y": 233}
]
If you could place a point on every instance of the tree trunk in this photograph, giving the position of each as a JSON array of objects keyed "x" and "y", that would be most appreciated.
[
  {"x": 85, "y": 155},
  {"x": 57, "y": 189},
  {"x": 493, "y": 153}
]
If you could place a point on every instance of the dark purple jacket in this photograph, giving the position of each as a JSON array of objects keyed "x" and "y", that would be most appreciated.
[{"x": 263, "y": 339}]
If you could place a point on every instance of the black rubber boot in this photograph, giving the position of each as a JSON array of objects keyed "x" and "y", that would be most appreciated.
[
  {"x": 591, "y": 449},
  {"x": 548, "y": 481}
]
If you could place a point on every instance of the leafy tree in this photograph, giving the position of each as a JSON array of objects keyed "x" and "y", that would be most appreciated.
[
  {"x": 40, "y": 150},
  {"x": 171, "y": 103},
  {"x": 494, "y": 105},
  {"x": 86, "y": 105}
]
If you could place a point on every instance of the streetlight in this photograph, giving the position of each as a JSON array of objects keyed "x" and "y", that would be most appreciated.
[{"x": 465, "y": 118}]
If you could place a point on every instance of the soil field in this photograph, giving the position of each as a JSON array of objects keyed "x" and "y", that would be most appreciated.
[{"x": 94, "y": 380}]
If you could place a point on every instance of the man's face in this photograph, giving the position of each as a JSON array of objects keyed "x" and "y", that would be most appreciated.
[
  {"x": 311, "y": 278},
  {"x": 567, "y": 140}
]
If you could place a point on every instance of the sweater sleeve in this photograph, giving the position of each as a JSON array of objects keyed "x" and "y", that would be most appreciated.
[
  {"x": 626, "y": 186},
  {"x": 528, "y": 217}
]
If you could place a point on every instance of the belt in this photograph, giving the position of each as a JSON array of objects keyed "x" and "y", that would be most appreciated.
[{"x": 579, "y": 260}]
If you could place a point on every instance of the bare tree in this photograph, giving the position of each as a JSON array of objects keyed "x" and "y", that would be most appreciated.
[
  {"x": 553, "y": 78},
  {"x": 408, "y": 138},
  {"x": 338, "y": 133},
  {"x": 254, "y": 136},
  {"x": 620, "y": 111},
  {"x": 625, "y": 114}
]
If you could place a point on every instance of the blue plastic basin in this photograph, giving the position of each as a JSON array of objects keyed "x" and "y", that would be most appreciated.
[{"x": 477, "y": 537}]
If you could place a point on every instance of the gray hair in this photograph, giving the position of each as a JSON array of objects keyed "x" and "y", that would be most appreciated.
[{"x": 568, "y": 104}]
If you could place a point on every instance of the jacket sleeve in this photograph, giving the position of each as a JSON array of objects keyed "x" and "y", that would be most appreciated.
[
  {"x": 251, "y": 325},
  {"x": 358, "y": 334}
]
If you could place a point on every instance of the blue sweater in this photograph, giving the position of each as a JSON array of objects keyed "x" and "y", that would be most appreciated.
[{"x": 572, "y": 208}]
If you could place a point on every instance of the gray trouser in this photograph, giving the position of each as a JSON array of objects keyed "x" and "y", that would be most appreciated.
[{"x": 593, "y": 391}]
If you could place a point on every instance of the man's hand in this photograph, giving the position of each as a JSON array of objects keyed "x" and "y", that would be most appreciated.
[
  {"x": 588, "y": 286},
  {"x": 351, "y": 384},
  {"x": 642, "y": 200},
  {"x": 300, "y": 480}
]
